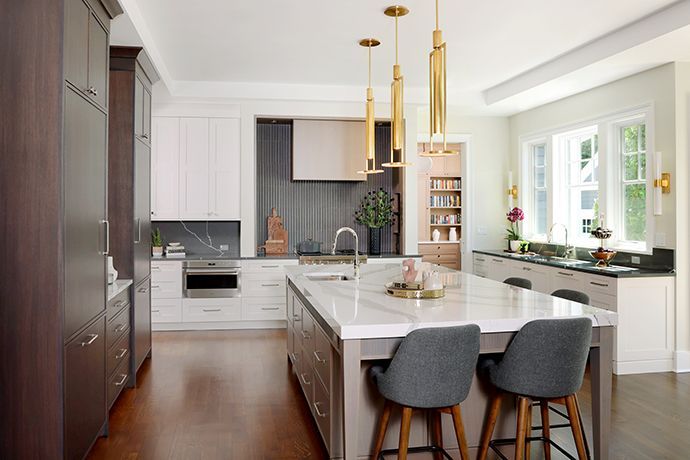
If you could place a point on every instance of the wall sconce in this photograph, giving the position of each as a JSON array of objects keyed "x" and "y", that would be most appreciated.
[
  {"x": 512, "y": 191},
  {"x": 662, "y": 184}
]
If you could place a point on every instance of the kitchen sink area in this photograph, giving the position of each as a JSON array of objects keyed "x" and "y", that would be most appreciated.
[{"x": 320, "y": 276}]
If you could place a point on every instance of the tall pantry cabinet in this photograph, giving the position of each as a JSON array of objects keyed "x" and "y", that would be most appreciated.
[
  {"x": 54, "y": 238},
  {"x": 129, "y": 173}
]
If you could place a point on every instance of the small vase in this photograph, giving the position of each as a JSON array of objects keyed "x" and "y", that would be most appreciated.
[
  {"x": 515, "y": 245},
  {"x": 452, "y": 234},
  {"x": 374, "y": 241},
  {"x": 435, "y": 235},
  {"x": 157, "y": 251}
]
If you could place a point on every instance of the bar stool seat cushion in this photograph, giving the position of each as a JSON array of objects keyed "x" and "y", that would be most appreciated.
[
  {"x": 546, "y": 359},
  {"x": 432, "y": 368}
]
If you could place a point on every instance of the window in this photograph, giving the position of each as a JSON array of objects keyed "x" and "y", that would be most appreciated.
[
  {"x": 577, "y": 176},
  {"x": 539, "y": 181},
  {"x": 633, "y": 157}
]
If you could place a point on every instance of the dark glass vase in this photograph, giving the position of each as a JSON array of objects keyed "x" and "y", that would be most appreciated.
[{"x": 375, "y": 241}]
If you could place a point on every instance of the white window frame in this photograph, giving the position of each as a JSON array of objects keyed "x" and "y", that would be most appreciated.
[{"x": 610, "y": 172}]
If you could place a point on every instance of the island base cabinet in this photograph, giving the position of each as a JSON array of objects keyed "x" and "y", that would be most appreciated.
[
  {"x": 85, "y": 399},
  {"x": 141, "y": 335}
]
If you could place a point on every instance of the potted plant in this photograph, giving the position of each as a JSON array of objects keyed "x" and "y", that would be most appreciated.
[
  {"x": 515, "y": 216},
  {"x": 156, "y": 243},
  {"x": 375, "y": 211}
]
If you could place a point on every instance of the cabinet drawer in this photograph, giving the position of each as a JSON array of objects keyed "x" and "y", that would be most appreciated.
[
  {"x": 567, "y": 279},
  {"x": 257, "y": 308},
  {"x": 259, "y": 286},
  {"x": 166, "y": 311},
  {"x": 446, "y": 248},
  {"x": 296, "y": 354},
  {"x": 602, "y": 300},
  {"x": 305, "y": 375},
  {"x": 117, "y": 327},
  {"x": 116, "y": 304},
  {"x": 117, "y": 354},
  {"x": 294, "y": 311},
  {"x": 307, "y": 336},
  {"x": 166, "y": 289},
  {"x": 323, "y": 357},
  {"x": 166, "y": 270},
  {"x": 211, "y": 310},
  {"x": 267, "y": 266},
  {"x": 117, "y": 382},
  {"x": 441, "y": 259},
  {"x": 84, "y": 391},
  {"x": 603, "y": 284},
  {"x": 321, "y": 407}
]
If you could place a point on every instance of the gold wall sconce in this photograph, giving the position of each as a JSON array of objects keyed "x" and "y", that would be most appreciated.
[
  {"x": 664, "y": 183},
  {"x": 513, "y": 192}
]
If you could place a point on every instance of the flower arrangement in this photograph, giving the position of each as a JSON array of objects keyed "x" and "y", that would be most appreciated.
[
  {"x": 376, "y": 210},
  {"x": 514, "y": 217}
]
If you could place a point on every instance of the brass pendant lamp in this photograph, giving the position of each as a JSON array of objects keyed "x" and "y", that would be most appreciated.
[
  {"x": 397, "y": 124},
  {"x": 370, "y": 133},
  {"x": 437, "y": 95}
]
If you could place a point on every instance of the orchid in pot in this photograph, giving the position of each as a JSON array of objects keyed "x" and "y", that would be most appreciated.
[{"x": 515, "y": 216}]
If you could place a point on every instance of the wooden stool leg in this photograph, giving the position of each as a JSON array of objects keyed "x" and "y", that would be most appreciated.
[
  {"x": 528, "y": 432},
  {"x": 460, "y": 432},
  {"x": 546, "y": 428},
  {"x": 437, "y": 432},
  {"x": 383, "y": 426},
  {"x": 404, "y": 432},
  {"x": 494, "y": 410},
  {"x": 576, "y": 426},
  {"x": 521, "y": 431},
  {"x": 582, "y": 425}
]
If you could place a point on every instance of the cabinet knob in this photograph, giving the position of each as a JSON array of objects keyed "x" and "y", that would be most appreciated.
[{"x": 91, "y": 90}]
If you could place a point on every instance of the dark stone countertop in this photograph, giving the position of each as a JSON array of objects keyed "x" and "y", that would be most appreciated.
[{"x": 586, "y": 267}]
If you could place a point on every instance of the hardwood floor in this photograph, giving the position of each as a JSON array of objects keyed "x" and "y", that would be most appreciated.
[{"x": 231, "y": 395}]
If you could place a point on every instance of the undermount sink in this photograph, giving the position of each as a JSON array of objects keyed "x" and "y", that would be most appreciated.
[
  {"x": 328, "y": 276},
  {"x": 564, "y": 261}
]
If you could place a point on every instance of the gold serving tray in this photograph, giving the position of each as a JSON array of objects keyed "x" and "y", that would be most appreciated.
[{"x": 413, "y": 291}]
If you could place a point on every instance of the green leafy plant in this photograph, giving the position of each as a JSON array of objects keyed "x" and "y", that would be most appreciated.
[
  {"x": 156, "y": 238},
  {"x": 375, "y": 210}
]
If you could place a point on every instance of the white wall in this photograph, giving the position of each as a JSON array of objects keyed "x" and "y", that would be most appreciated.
[
  {"x": 248, "y": 111},
  {"x": 655, "y": 86},
  {"x": 488, "y": 172}
]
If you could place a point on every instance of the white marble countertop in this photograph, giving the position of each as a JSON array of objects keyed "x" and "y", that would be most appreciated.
[
  {"x": 117, "y": 287},
  {"x": 359, "y": 309}
]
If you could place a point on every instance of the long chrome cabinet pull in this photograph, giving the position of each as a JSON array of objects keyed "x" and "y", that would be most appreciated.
[
  {"x": 318, "y": 412},
  {"x": 123, "y": 352},
  {"x": 304, "y": 379},
  {"x": 91, "y": 340},
  {"x": 122, "y": 380},
  {"x": 209, "y": 310},
  {"x": 319, "y": 359}
]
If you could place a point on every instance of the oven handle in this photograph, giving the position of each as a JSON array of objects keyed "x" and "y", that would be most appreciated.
[{"x": 210, "y": 271}]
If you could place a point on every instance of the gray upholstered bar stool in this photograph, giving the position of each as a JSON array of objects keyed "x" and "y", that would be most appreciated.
[
  {"x": 569, "y": 294},
  {"x": 519, "y": 282},
  {"x": 432, "y": 370},
  {"x": 545, "y": 362}
]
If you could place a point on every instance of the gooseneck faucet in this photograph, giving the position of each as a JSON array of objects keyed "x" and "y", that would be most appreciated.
[
  {"x": 566, "y": 248},
  {"x": 335, "y": 243}
]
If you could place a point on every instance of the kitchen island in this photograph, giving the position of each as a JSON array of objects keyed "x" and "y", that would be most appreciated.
[{"x": 338, "y": 328}]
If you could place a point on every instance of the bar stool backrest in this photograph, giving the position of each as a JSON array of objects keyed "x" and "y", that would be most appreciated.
[
  {"x": 569, "y": 294},
  {"x": 433, "y": 367},
  {"x": 546, "y": 358},
  {"x": 519, "y": 282}
]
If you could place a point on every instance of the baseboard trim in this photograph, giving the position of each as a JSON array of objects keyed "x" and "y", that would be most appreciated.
[
  {"x": 220, "y": 326},
  {"x": 642, "y": 367},
  {"x": 682, "y": 361}
]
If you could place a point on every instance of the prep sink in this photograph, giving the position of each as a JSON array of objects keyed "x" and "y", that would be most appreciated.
[{"x": 319, "y": 276}]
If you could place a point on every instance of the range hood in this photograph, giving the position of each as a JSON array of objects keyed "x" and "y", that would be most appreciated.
[{"x": 327, "y": 150}]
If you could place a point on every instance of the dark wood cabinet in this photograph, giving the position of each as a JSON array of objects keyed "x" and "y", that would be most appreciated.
[
  {"x": 142, "y": 323},
  {"x": 98, "y": 62},
  {"x": 85, "y": 128},
  {"x": 85, "y": 398},
  {"x": 142, "y": 211}
]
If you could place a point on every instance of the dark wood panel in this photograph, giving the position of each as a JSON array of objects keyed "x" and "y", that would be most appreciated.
[
  {"x": 142, "y": 210},
  {"x": 77, "y": 43},
  {"x": 141, "y": 335},
  {"x": 84, "y": 191},
  {"x": 98, "y": 61},
  {"x": 121, "y": 171},
  {"x": 85, "y": 401},
  {"x": 30, "y": 235}
]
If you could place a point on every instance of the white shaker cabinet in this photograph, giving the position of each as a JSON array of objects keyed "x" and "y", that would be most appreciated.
[
  {"x": 165, "y": 167},
  {"x": 196, "y": 168}
]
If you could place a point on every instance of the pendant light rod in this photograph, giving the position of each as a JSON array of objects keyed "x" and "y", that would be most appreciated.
[
  {"x": 437, "y": 15},
  {"x": 369, "y": 125}
]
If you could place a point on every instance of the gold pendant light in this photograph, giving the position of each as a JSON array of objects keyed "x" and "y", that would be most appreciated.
[
  {"x": 437, "y": 95},
  {"x": 370, "y": 133},
  {"x": 397, "y": 126}
]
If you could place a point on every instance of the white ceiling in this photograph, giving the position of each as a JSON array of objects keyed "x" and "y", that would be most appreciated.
[{"x": 314, "y": 42}]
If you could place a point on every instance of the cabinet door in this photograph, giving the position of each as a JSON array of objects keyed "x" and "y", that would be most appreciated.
[
  {"x": 537, "y": 274},
  {"x": 138, "y": 107},
  {"x": 498, "y": 269},
  {"x": 98, "y": 62},
  {"x": 141, "y": 337},
  {"x": 84, "y": 390},
  {"x": 147, "y": 116},
  {"x": 85, "y": 131},
  {"x": 76, "y": 43},
  {"x": 165, "y": 178},
  {"x": 194, "y": 168},
  {"x": 142, "y": 211},
  {"x": 224, "y": 168}
]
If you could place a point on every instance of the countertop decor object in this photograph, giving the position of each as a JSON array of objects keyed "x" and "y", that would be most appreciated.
[
  {"x": 413, "y": 291},
  {"x": 112, "y": 273},
  {"x": 435, "y": 235},
  {"x": 369, "y": 127},
  {"x": 514, "y": 216},
  {"x": 156, "y": 243},
  {"x": 375, "y": 211},
  {"x": 602, "y": 254},
  {"x": 277, "y": 242},
  {"x": 409, "y": 272}
]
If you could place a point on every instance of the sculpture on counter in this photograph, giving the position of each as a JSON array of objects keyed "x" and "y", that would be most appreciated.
[
  {"x": 408, "y": 271},
  {"x": 277, "y": 242}
]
